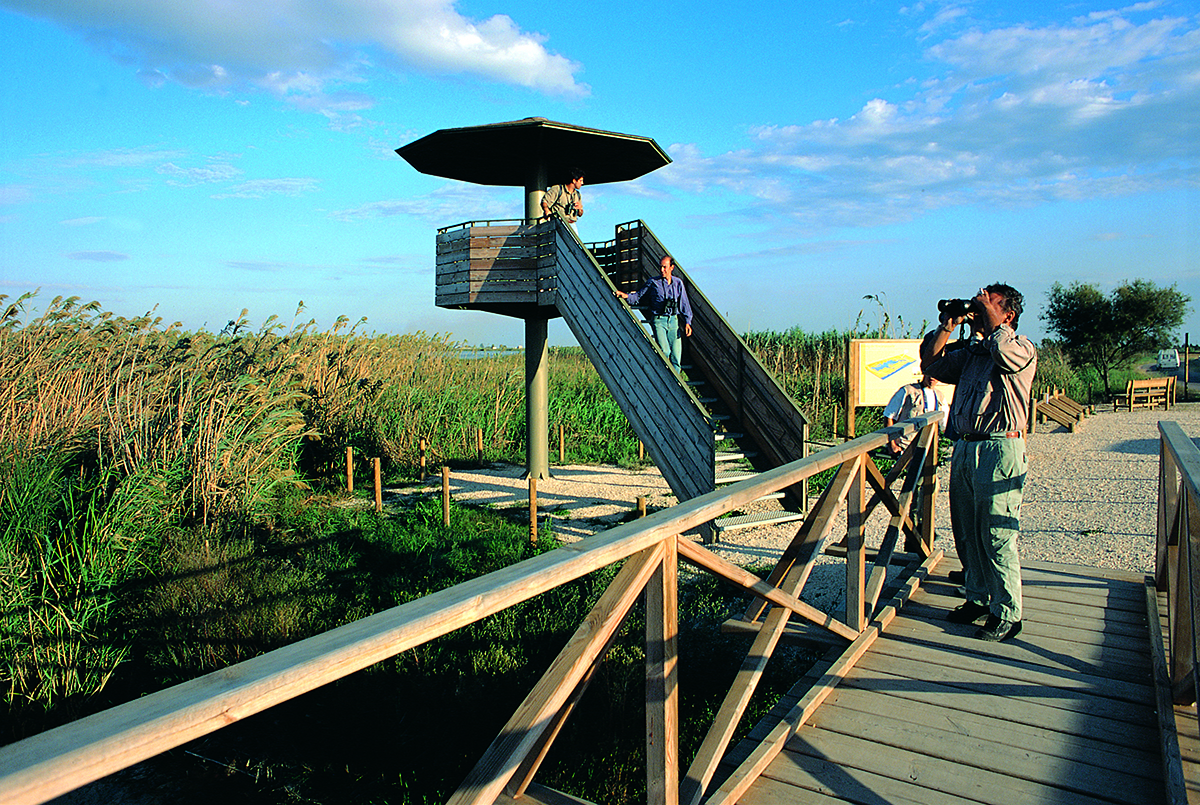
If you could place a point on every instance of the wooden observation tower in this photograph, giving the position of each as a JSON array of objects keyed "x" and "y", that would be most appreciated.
[{"x": 533, "y": 153}]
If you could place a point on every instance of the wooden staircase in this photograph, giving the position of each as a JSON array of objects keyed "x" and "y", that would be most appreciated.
[
  {"x": 755, "y": 425},
  {"x": 728, "y": 419},
  {"x": 664, "y": 411}
]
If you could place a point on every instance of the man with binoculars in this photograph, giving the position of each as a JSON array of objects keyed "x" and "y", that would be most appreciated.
[{"x": 993, "y": 377}]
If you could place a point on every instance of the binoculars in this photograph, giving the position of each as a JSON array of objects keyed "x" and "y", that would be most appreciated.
[{"x": 954, "y": 308}]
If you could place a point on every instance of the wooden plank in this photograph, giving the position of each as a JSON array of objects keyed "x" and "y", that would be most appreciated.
[
  {"x": 994, "y": 752},
  {"x": 487, "y": 297},
  {"x": 1172, "y": 763},
  {"x": 744, "y": 578},
  {"x": 1129, "y": 761},
  {"x": 465, "y": 272},
  {"x": 1014, "y": 662},
  {"x": 490, "y": 251},
  {"x": 662, "y": 679},
  {"x": 744, "y": 776},
  {"x": 906, "y": 768},
  {"x": 1033, "y": 715},
  {"x": 814, "y": 784},
  {"x": 1012, "y": 684},
  {"x": 1043, "y": 642},
  {"x": 541, "y": 795}
]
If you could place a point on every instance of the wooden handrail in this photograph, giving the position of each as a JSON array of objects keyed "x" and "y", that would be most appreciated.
[
  {"x": 60, "y": 760},
  {"x": 1177, "y": 555}
]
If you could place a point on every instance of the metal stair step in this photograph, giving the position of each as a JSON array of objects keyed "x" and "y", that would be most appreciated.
[
  {"x": 758, "y": 518},
  {"x": 734, "y": 476},
  {"x": 730, "y": 456},
  {"x": 727, "y": 435}
]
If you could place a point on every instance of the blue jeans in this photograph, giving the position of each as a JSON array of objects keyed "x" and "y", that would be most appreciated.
[
  {"x": 987, "y": 483},
  {"x": 666, "y": 335}
]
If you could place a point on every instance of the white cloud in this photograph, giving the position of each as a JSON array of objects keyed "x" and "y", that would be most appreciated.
[
  {"x": 299, "y": 47},
  {"x": 1102, "y": 105},
  {"x": 190, "y": 177},
  {"x": 261, "y": 188},
  {"x": 451, "y": 202}
]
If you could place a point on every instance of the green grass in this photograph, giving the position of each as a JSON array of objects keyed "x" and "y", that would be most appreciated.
[{"x": 409, "y": 729}]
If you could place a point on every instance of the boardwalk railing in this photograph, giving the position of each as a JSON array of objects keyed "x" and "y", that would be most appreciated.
[
  {"x": 60, "y": 760},
  {"x": 1177, "y": 558}
]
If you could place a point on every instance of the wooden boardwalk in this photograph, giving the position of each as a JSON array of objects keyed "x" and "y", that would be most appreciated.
[{"x": 1064, "y": 713}]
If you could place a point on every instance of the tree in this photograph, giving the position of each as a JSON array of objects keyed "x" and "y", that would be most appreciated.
[{"x": 1107, "y": 332}]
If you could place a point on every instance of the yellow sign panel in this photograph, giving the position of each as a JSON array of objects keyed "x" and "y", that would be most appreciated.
[{"x": 884, "y": 365}]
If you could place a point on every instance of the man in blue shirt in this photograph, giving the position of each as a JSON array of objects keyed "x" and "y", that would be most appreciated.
[{"x": 665, "y": 301}]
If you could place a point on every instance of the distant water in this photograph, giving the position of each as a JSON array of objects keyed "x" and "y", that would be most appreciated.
[{"x": 488, "y": 352}]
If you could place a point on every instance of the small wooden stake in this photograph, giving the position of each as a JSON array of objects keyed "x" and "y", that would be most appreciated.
[
  {"x": 641, "y": 507},
  {"x": 641, "y": 451},
  {"x": 479, "y": 444},
  {"x": 422, "y": 459},
  {"x": 446, "y": 496},
  {"x": 562, "y": 453},
  {"x": 378, "y": 487},
  {"x": 349, "y": 468},
  {"x": 533, "y": 510}
]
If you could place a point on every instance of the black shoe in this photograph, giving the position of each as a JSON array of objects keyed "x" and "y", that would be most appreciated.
[
  {"x": 968, "y": 613},
  {"x": 957, "y": 577},
  {"x": 997, "y": 629}
]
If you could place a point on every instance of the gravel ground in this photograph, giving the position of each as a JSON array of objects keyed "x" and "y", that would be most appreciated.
[{"x": 1090, "y": 499}]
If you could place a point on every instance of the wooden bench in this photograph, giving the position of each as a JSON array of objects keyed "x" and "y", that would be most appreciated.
[
  {"x": 1149, "y": 392},
  {"x": 1057, "y": 406}
]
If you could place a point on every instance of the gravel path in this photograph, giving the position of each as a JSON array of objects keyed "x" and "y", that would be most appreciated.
[{"x": 1090, "y": 499}]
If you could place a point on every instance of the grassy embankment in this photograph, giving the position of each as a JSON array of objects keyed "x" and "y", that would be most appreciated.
[{"x": 169, "y": 504}]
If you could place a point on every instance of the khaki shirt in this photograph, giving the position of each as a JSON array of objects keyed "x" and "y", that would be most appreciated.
[
  {"x": 558, "y": 200},
  {"x": 993, "y": 379}
]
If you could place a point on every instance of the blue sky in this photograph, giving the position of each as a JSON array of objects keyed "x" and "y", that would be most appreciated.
[{"x": 203, "y": 157}]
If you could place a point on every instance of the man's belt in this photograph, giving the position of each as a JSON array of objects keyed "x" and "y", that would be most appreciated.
[{"x": 980, "y": 437}]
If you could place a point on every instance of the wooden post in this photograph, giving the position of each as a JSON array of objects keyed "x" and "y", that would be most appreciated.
[
  {"x": 562, "y": 444},
  {"x": 856, "y": 613},
  {"x": 378, "y": 487},
  {"x": 835, "y": 421},
  {"x": 349, "y": 468},
  {"x": 533, "y": 509},
  {"x": 641, "y": 507},
  {"x": 851, "y": 386},
  {"x": 662, "y": 680},
  {"x": 928, "y": 494},
  {"x": 479, "y": 444},
  {"x": 641, "y": 450},
  {"x": 445, "y": 496}
]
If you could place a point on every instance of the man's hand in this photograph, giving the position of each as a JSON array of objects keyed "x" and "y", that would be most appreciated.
[
  {"x": 993, "y": 310},
  {"x": 687, "y": 330}
]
